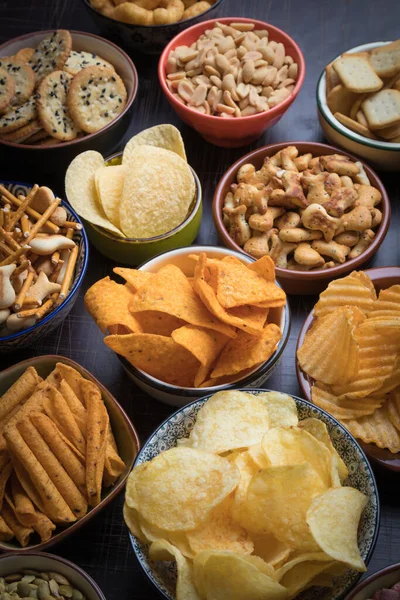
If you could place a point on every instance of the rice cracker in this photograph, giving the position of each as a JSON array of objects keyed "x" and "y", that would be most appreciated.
[
  {"x": 385, "y": 60},
  {"x": 97, "y": 95},
  {"x": 52, "y": 106},
  {"x": 357, "y": 74},
  {"x": 382, "y": 109},
  {"x": 78, "y": 60},
  {"x": 51, "y": 54},
  {"x": 25, "y": 54},
  {"x": 23, "y": 76},
  {"x": 7, "y": 88},
  {"x": 23, "y": 133},
  {"x": 15, "y": 118}
]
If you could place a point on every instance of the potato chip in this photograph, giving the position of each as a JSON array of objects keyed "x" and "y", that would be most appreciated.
[
  {"x": 277, "y": 502},
  {"x": 323, "y": 397},
  {"x": 135, "y": 278},
  {"x": 131, "y": 519},
  {"x": 157, "y": 355},
  {"x": 333, "y": 518},
  {"x": 185, "y": 588},
  {"x": 282, "y": 409},
  {"x": 107, "y": 302},
  {"x": 179, "y": 488},
  {"x": 158, "y": 192},
  {"x": 179, "y": 539},
  {"x": 247, "y": 351},
  {"x": 388, "y": 303},
  {"x": 229, "y": 420},
  {"x": 302, "y": 575},
  {"x": 270, "y": 549},
  {"x": 365, "y": 280},
  {"x": 162, "y": 136},
  {"x": 110, "y": 184},
  {"x": 376, "y": 429},
  {"x": 320, "y": 431},
  {"x": 390, "y": 383},
  {"x": 81, "y": 191},
  {"x": 247, "y": 467},
  {"x": 347, "y": 291},
  {"x": 394, "y": 407},
  {"x": 300, "y": 558}
]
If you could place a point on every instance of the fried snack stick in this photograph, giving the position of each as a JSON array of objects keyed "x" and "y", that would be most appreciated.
[
  {"x": 72, "y": 377},
  {"x": 6, "y": 534},
  {"x": 58, "y": 410},
  {"x": 21, "y": 532},
  {"x": 26, "y": 483},
  {"x": 26, "y": 512},
  {"x": 8, "y": 196},
  {"x": 19, "y": 391},
  {"x": 54, "y": 504},
  {"x": 76, "y": 407},
  {"x": 4, "y": 475},
  {"x": 53, "y": 468}
]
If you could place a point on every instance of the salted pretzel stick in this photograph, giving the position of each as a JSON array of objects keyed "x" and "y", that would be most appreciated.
[
  {"x": 13, "y": 257},
  {"x": 45, "y": 217},
  {"x": 25, "y": 225},
  {"x": 1, "y": 217},
  {"x": 5, "y": 249},
  {"x": 22, "y": 208},
  {"x": 69, "y": 271},
  {"x": 29, "y": 211},
  {"x": 20, "y": 299},
  {"x": 6, "y": 213},
  {"x": 56, "y": 255},
  {"x": 8, "y": 238},
  {"x": 72, "y": 225},
  {"x": 53, "y": 277},
  {"x": 36, "y": 312},
  {"x": 21, "y": 268}
]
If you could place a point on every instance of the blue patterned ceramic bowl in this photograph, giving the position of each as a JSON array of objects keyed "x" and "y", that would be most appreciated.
[
  {"x": 179, "y": 425},
  {"x": 29, "y": 336}
]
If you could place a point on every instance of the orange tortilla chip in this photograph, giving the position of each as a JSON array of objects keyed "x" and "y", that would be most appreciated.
[
  {"x": 227, "y": 379},
  {"x": 159, "y": 356},
  {"x": 134, "y": 277},
  {"x": 265, "y": 267},
  {"x": 152, "y": 321},
  {"x": 250, "y": 314},
  {"x": 107, "y": 302}
]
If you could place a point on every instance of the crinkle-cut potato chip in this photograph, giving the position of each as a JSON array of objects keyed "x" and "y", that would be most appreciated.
[
  {"x": 247, "y": 351},
  {"x": 323, "y": 397},
  {"x": 158, "y": 192},
  {"x": 185, "y": 587},
  {"x": 366, "y": 281},
  {"x": 169, "y": 291},
  {"x": 220, "y": 532},
  {"x": 320, "y": 431},
  {"x": 293, "y": 446},
  {"x": 110, "y": 184},
  {"x": 390, "y": 383},
  {"x": 80, "y": 188},
  {"x": 271, "y": 550},
  {"x": 282, "y": 409},
  {"x": 179, "y": 488},
  {"x": 333, "y": 519},
  {"x": 162, "y": 136},
  {"x": 157, "y": 355},
  {"x": 302, "y": 575},
  {"x": 394, "y": 407},
  {"x": 229, "y": 420},
  {"x": 348, "y": 291},
  {"x": 277, "y": 502},
  {"x": 388, "y": 303},
  {"x": 107, "y": 303},
  {"x": 135, "y": 278},
  {"x": 376, "y": 429},
  {"x": 330, "y": 350},
  {"x": 387, "y": 326}
]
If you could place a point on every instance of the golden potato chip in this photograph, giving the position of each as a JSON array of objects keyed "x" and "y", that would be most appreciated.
[
  {"x": 157, "y": 355},
  {"x": 281, "y": 408},
  {"x": 107, "y": 302},
  {"x": 302, "y": 575},
  {"x": 247, "y": 467},
  {"x": 347, "y": 291},
  {"x": 135, "y": 278},
  {"x": 170, "y": 292},
  {"x": 387, "y": 326},
  {"x": 394, "y": 407},
  {"x": 323, "y": 397},
  {"x": 179, "y": 488},
  {"x": 185, "y": 588},
  {"x": 247, "y": 351},
  {"x": 110, "y": 184},
  {"x": 320, "y": 431},
  {"x": 179, "y": 539},
  {"x": 388, "y": 303},
  {"x": 158, "y": 192},
  {"x": 229, "y": 420},
  {"x": 390, "y": 383},
  {"x": 366, "y": 281},
  {"x": 162, "y": 136},
  {"x": 257, "y": 455},
  {"x": 81, "y": 190},
  {"x": 131, "y": 519},
  {"x": 277, "y": 502},
  {"x": 270, "y": 549},
  {"x": 376, "y": 429},
  {"x": 333, "y": 518}
]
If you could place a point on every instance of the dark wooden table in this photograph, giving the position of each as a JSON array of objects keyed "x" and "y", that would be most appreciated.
[{"x": 323, "y": 30}]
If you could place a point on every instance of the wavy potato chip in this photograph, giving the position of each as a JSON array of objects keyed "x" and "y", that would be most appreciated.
[
  {"x": 162, "y": 136},
  {"x": 388, "y": 303},
  {"x": 394, "y": 407},
  {"x": 110, "y": 184},
  {"x": 107, "y": 302},
  {"x": 347, "y": 291},
  {"x": 185, "y": 587},
  {"x": 323, "y": 397},
  {"x": 376, "y": 429},
  {"x": 282, "y": 409}
]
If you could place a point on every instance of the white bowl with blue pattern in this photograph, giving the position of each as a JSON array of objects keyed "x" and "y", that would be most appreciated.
[
  {"x": 361, "y": 477},
  {"x": 29, "y": 336}
]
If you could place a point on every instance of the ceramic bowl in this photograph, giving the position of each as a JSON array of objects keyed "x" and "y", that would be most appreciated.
[
  {"x": 236, "y": 132},
  {"x": 125, "y": 436},
  {"x": 384, "y": 578},
  {"x": 148, "y": 40},
  {"x": 43, "y": 562},
  {"x": 179, "y": 396},
  {"x": 382, "y": 155},
  {"x": 301, "y": 282},
  {"x": 179, "y": 425},
  {"x": 134, "y": 251},
  {"x": 36, "y": 159},
  {"x": 382, "y": 278},
  {"x": 29, "y": 336}
]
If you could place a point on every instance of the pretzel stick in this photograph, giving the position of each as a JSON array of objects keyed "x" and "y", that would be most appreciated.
[
  {"x": 5, "y": 249},
  {"x": 36, "y": 312},
  {"x": 29, "y": 211},
  {"x": 8, "y": 238},
  {"x": 45, "y": 217},
  {"x": 20, "y": 299},
  {"x": 73, "y": 225},
  {"x": 6, "y": 214},
  {"x": 13, "y": 257},
  {"x": 1, "y": 217},
  {"x": 21, "y": 268},
  {"x": 25, "y": 225},
  {"x": 69, "y": 271},
  {"x": 56, "y": 272},
  {"x": 56, "y": 255},
  {"x": 22, "y": 208}
]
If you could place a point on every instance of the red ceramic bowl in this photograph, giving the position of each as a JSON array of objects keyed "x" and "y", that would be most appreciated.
[
  {"x": 235, "y": 132},
  {"x": 382, "y": 278},
  {"x": 301, "y": 282}
]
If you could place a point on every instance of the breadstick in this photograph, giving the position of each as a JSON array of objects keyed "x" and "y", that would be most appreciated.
[
  {"x": 20, "y": 299},
  {"x": 13, "y": 257},
  {"x": 22, "y": 208},
  {"x": 21, "y": 268},
  {"x": 1, "y": 217},
  {"x": 43, "y": 219},
  {"x": 6, "y": 215},
  {"x": 69, "y": 272},
  {"x": 29, "y": 211},
  {"x": 54, "y": 276},
  {"x": 5, "y": 249}
]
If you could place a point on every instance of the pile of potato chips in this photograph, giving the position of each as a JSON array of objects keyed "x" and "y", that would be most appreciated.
[
  {"x": 200, "y": 331},
  {"x": 250, "y": 505},
  {"x": 352, "y": 351},
  {"x": 146, "y": 194}
]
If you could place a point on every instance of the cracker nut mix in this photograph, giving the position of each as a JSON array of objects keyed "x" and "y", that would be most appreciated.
[
  {"x": 231, "y": 71},
  {"x": 304, "y": 212},
  {"x": 151, "y": 12}
]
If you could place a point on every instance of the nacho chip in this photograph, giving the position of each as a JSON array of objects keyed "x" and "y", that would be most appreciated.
[
  {"x": 135, "y": 278},
  {"x": 376, "y": 429},
  {"x": 347, "y": 291},
  {"x": 265, "y": 267},
  {"x": 152, "y": 321},
  {"x": 107, "y": 302},
  {"x": 110, "y": 184},
  {"x": 162, "y": 136}
]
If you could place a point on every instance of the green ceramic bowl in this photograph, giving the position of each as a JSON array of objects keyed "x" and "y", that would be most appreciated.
[{"x": 134, "y": 251}]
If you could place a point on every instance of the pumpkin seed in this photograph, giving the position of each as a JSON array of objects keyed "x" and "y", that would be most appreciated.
[
  {"x": 60, "y": 579},
  {"x": 77, "y": 595},
  {"x": 13, "y": 577},
  {"x": 23, "y": 588},
  {"x": 45, "y": 576},
  {"x": 33, "y": 593},
  {"x": 43, "y": 590},
  {"x": 53, "y": 585},
  {"x": 29, "y": 578},
  {"x": 11, "y": 587},
  {"x": 66, "y": 591}
]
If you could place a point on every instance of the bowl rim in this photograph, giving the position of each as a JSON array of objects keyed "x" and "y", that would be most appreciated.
[
  {"x": 196, "y": 204},
  {"x": 306, "y": 386},
  {"x": 347, "y": 435},
  {"x": 78, "y": 283},
  {"x": 89, "y": 136},
  {"x": 277, "y": 110},
  {"x": 318, "y": 274},
  {"x": 63, "y": 533},
  {"x": 331, "y": 119},
  {"x": 61, "y": 560},
  {"x": 193, "y": 392},
  {"x": 374, "y": 576},
  {"x": 151, "y": 27}
]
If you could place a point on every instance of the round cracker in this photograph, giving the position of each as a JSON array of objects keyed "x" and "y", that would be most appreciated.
[
  {"x": 7, "y": 88},
  {"x": 15, "y": 118},
  {"x": 23, "y": 133},
  {"x": 52, "y": 106},
  {"x": 78, "y": 60},
  {"x": 25, "y": 54},
  {"x": 23, "y": 76},
  {"x": 51, "y": 54}
]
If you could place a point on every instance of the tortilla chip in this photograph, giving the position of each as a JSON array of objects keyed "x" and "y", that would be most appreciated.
[{"x": 107, "y": 302}]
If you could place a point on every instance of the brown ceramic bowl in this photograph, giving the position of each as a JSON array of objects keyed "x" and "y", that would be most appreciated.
[
  {"x": 385, "y": 578},
  {"x": 125, "y": 436},
  {"x": 382, "y": 278},
  {"x": 301, "y": 282}
]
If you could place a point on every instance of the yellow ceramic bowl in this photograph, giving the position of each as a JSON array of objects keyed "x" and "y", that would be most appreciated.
[
  {"x": 134, "y": 251},
  {"x": 382, "y": 155}
]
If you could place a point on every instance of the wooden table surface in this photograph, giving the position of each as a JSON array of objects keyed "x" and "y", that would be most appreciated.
[{"x": 323, "y": 30}]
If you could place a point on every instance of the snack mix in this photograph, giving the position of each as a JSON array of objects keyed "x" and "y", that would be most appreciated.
[{"x": 151, "y": 12}]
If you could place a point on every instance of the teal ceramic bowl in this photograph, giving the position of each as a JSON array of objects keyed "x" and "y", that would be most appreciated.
[{"x": 134, "y": 251}]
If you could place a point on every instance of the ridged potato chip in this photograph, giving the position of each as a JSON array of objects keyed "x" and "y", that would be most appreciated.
[
  {"x": 107, "y": 302},
  {"x": 394, "y": 407},
  {"x": 110, "y": 185},
  {"x": 388, "y": 303},
  {"x": 347, "y": 291},
  {"x": 185, "y": 587},
  {"x": 323, "y": 397},
  {"x": 376, "y": 429},
  {"x": 162, "y": 136},
  {"x": 282, "y": 409},
  {"x": 391, "y": 382}
]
